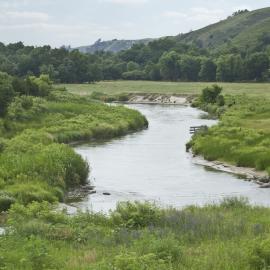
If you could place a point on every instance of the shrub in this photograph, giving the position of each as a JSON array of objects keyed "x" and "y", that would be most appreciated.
[
  {"x": 6, "y": 200},
  {"x": 135, "y": 215},
  {"x": 211, "y": 94}
]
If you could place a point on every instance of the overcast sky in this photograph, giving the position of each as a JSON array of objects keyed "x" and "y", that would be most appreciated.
[{"x": 82, "y": 22}]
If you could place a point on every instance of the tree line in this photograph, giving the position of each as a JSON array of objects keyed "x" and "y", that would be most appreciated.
[{"x": 162, "y": 59}]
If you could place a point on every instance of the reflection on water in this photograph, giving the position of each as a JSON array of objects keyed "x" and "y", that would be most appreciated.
[{"x": 153, "y": 165}]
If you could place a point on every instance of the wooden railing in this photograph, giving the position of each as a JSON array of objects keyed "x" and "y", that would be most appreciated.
[{"x": 194, "y": 130}]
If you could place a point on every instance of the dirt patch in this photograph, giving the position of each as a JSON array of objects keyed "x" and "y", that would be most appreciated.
[
  {"x": 250, "y": 174},
  {"x": 159, "y": 99}
]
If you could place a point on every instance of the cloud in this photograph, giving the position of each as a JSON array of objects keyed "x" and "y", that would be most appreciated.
[
  {"x": 10, "y": 18},
  {"x": 125, "y": 2},
  {"x": 174, "y": 14},
  {"x": 197, "y": 15}
]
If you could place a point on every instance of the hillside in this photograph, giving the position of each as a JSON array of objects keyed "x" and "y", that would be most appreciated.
[
  {"x": 114, "y": 45},
  {"x": 244, "y": 30}
]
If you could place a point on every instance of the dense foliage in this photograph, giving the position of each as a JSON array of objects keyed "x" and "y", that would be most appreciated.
[
  {"x": 37, "y": 119},
  {"x": 229, "y": 236},
  {"x": 242, "y": 135}
]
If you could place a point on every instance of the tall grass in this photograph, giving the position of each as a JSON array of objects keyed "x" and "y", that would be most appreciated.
[{"x": 231, "y": 235}]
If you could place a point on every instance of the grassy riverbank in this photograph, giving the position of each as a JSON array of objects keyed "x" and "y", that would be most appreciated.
[
  {"x": 35, "y": 165},
  {"x": 181, "y": 88},
  {"x": 231, "y": 236},
  {"x": 242, "y": 136}
]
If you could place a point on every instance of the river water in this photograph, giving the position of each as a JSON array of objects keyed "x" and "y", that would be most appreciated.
[{"x": 152, "y": 165}]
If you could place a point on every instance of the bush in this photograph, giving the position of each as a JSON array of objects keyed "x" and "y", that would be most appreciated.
[
  {"x": 6, "y": 200},
  {"x": 211, "y": 94},
  {"x": 135, "y": 215}
]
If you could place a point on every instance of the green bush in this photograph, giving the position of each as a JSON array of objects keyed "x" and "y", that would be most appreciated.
[
  {"x": 211, "y": 94},
  {"x": 135, "y": 215},
  {"x": 6, "y": 200}
]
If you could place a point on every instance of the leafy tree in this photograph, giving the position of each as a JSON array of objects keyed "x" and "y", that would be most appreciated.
[
  {"x": 230, "y": 68},
  {"x": 131, "y": 66},
  {"x": 49, "y": 70},
  {"x": 190, "y": 67},
  {"x": 257, "y": 65},
  {"x": 170, "y": 66},
  {"x": 208, "y": 70},
  {"x": 40, "y": 87},
  {"x": 6, "y": 92}
]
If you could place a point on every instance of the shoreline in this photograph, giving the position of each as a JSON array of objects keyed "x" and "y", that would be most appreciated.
[{"x": 249, "y": 174}]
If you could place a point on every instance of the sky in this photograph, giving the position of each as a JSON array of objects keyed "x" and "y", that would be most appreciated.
[{"x": 82, "y": 22}]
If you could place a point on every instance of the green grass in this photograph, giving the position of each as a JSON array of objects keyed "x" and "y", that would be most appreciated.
[
  {"x": 229, "y": 236},
  {"x": 181, "y": 88}
]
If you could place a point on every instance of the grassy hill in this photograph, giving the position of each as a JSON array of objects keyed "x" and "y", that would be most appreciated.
[
  {"x": 114, "y": 45},
  {"x": 243, "y": 30}
]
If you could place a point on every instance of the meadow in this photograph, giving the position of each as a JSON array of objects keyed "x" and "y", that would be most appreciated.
[{"x": 179, "y": 88}]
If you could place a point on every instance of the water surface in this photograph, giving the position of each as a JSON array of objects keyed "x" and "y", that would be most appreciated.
[{"x": 152, "y": 165}]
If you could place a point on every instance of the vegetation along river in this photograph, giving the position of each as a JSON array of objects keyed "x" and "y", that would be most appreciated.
[{"x": 152, "y": 165}]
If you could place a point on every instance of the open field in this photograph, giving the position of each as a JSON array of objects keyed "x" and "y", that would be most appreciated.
[{"x": 181, "y": 88}]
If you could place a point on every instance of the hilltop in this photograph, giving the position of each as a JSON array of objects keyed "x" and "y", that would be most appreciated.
[{"x": 244, "y": 29}]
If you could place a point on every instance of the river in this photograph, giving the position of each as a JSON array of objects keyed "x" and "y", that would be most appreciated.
[{"x": 152, "y": 165}]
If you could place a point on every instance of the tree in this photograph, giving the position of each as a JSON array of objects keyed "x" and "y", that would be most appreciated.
[
  {"x": 190, "y": 67},
  {"x": 257, "y": 65},
  {"x": 131, "y": 66},
  {"x": 230, "y": 68},
  {"x": 170, "y": 66},
  {"x": 153, "y": 71},
  {"x": 208, "y": 70},
  {"x": 49, "y": 70},
  {"x": 39, "y": 87},
  {"x": 6, "y": 92}
]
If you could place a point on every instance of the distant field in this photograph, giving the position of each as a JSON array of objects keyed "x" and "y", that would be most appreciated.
[{"x": 184, "y": 88}]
